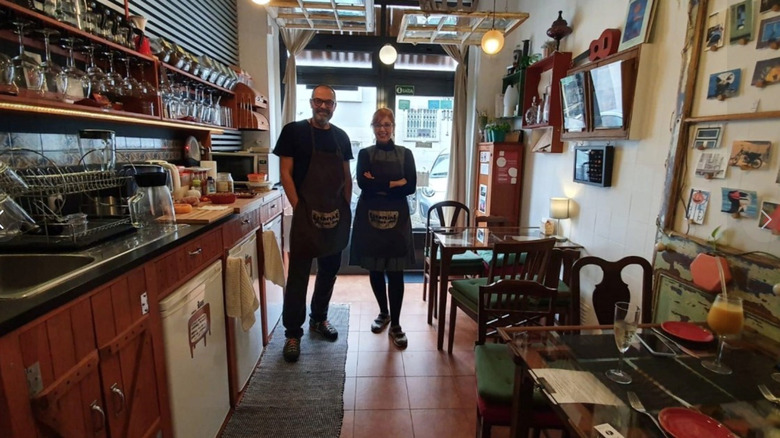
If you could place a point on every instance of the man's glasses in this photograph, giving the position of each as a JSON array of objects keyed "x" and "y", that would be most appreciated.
[
  {"x": 328, "y": 103},
  {"x": 386, "y": 126}
]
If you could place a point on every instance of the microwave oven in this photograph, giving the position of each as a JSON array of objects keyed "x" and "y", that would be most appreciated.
[{"x": 241, "y": 164}]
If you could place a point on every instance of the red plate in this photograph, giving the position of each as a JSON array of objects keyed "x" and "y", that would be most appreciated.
[
  {"x": 686, "y": 423},
  {"x": 687, "y": 331}
]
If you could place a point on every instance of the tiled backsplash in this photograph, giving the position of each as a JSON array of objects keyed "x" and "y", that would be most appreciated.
[{"x": 63, "y": 149}]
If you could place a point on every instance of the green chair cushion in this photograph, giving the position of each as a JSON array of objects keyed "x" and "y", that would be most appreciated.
[
  {"x": 467, "y": 292},
  {"x": 487, "y": 256},
  {"x": 495, "y": 371},
  {"x": 467, "y": 259}
]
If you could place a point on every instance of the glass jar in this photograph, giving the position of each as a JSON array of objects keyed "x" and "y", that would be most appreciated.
[{"x": 224, "y": 182}]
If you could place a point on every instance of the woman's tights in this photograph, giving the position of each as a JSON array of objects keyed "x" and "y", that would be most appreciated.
[{"x": 394, "y": 289}]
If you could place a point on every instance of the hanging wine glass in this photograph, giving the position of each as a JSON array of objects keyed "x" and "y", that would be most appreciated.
[
  {"x": 28, "y": 73},
  {"x": 56, "y": 82},
  {"x": 130, "y": 86},
  {"x": 7, "y": 73},
  {"x": 78, "y": 83},
  {"x": 148, "y": 89},
  {"x": 114, "y": 80},
  {"x": 97, "y": 79}
]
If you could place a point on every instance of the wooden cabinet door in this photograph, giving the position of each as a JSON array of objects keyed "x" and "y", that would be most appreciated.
[{"x": 127, "y": 366}]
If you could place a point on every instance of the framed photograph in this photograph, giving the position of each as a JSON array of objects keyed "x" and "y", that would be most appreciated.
[
  {"x": 698, "y": 200},
  {"x": 724, "y": 84},
  {"x": 768, "y": 32},
  {"x": 712, "y": 165},
  {"x": 767, "y": 72},
  {"x": 769, "y": 219},
  {"x": 770, "y": 5},
  {"x": 573, "y": 102},
  {"x": 707, "y": 137},
  {"x": 715, "y": 31},
  {"x": 741, "y": 22},
  {"x": 607, "y": 91},
  {"x": 739, "y": 203},
  {"x": 750, "y": 154},
  {"x": 639, "y": 19}
]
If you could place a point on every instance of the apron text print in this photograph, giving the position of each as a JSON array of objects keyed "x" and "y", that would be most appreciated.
[
  {"x": 325, "y": 221},
  {"x": 382, "y": 220}
]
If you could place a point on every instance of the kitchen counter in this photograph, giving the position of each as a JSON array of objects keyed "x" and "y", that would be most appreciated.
[{"x": 113, "y": 258}]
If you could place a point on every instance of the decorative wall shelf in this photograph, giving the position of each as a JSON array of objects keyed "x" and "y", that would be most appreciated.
[{"x": 557, "y": 63}]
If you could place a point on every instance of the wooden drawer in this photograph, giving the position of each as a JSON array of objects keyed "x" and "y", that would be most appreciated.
[
  {"x": 270, "y": 209},
  {"x": 187, "y": 260},
  {"x": 237, "y": 228}
]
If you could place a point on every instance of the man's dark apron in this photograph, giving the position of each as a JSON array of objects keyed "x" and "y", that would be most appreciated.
[
  {"x": 382, "y": 224},
  {"x": 321, "y": 220}
]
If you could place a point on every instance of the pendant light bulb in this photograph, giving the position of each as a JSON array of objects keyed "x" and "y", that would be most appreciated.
[
  {"x": 388, "y": 54},
  {"x": 492, "y": 42},
  {"x": 261, "y": 2}
]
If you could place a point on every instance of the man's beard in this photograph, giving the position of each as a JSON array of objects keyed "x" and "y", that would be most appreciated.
[{"x": 321, "y": 118}]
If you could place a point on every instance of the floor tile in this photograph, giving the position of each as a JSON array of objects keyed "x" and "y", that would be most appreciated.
[
  {"x": 349, "y": 393},
  {"x": 453, "y": 423},
  {"x": 379, "y": 364},
  {"x": 348, "y": 425},
  {"x": 383, "y": 424},
  {"x": 381, "y": 393},
  {"x": 427, "y": 363},
  {"x": 433, "y": 393}
]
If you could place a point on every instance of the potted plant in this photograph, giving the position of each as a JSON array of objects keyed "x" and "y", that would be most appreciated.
[{"x": 500, "y": 128}]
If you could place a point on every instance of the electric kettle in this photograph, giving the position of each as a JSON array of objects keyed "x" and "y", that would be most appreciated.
[
  {"x": 152, "y": 203},
  {"x": 173, "y": 180}
]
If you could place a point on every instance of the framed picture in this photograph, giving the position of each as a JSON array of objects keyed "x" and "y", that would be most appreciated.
[
  {"x": 715, "y": 31},
  {"x": 707, "y": 137},
  {"x": 770, "y": 5},
  {"x": 741, "y": 22},
  {"x": 697, "y": 205},
  {"x": 750, "y": 154},
  {"x": 573, "y": 102},
  {"x": 769, "y": 219},
  {"x": 767, "y": 72},
  {"x": 768, "y": 32},
  {"x": 739, "y": 203},
  {"x": 639, "y": 19},
  {"x": 711, "y": 165},
  {"x": 607, "y": 96},
  {"x": 724, "y": 84}
]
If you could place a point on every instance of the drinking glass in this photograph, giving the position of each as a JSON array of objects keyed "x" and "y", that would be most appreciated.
[
  {"x": 27, "y": 71},
  {"x": 725, "y": 318},
  {"x": 113, "y": 78},
  {"x": 78, "y": 82},
  {"x": 7, "y": 73},
  {"x": 626, "y": 322},
  {"x": 130, "y": 86},
  {"x": 56, "y": 82},
  {"x": 97, "y": 78}
]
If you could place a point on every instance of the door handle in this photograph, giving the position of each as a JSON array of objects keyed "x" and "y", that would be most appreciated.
[
  {"x": 95, "y": 407},
  {"x": 196, "y": 252},
  {"x": 118, "y": 394}
]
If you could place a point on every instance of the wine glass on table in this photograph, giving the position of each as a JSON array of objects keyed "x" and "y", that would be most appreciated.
[
  {"x": 725, "y": 318},
  {"x": 626, "y": 322}
]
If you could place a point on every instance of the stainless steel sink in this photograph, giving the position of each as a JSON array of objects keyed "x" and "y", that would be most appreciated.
[{"x": 25, "y": 275}]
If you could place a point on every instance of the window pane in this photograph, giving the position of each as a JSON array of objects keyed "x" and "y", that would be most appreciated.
[{"x": 323, "y": 58}]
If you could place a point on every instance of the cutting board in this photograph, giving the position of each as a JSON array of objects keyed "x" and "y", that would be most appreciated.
[{"x": 200, "y": 216}]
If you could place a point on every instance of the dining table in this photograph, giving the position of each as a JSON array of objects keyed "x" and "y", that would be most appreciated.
[
  {"x": 687, "y": 400},
  {"x": 448, "y": 241}
]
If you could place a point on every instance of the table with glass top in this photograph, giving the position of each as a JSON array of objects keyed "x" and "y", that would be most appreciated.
[
  {"x": 448, "y": 241},
  {"x": 677, "y": 390}
]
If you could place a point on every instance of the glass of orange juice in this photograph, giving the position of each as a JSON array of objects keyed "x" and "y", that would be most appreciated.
[{"x": 725, "y": 318}]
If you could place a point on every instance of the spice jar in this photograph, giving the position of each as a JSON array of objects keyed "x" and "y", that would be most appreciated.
[{"x": 224, "y": 182}]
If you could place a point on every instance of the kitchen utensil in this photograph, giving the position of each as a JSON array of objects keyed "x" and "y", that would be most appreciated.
[
  {"x": 637, "y": 405},
  {"x": 101, "y": 143},
  {"x": 687, "y": 331},
  {"x": 768, "y": 394},
  {"x": 174, "y": 181},
  {"x": 13, "y": 218},
  {"x": 685, "y": 423},
  {"x": 152, "y": 203}
]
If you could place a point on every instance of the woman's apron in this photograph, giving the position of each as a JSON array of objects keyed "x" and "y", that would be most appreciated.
[
  {"x": 382, "y": 224},
  {"x": 321, "y": 219}
]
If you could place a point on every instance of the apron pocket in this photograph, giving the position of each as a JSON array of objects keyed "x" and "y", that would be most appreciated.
[{"x": 383, "y": 219}]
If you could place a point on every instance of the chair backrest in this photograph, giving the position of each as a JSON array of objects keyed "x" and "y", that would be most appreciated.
[
  {"x": 441, "y": 210},
  {"x": 560, "y": 266},
  {"x": 490, "y": 221},
  {"x": 520, "y": 260},
  {"x": 507, "y": 303},
  {"x": 612, "y": 288}
]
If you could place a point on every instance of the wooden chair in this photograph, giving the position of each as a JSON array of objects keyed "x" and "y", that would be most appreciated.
[
  {"x": 559, "y": 272},
  {"x": 521, "y": 260},
  {"x": 500, "y": 305},
  {"x": 612, "y": 288},
  {"x": 468, "y": 263}
]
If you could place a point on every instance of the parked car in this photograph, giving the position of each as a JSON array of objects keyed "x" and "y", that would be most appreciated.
[{"x": 436, "y": 190}]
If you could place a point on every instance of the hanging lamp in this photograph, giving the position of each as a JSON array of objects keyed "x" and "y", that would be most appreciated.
[
  {"x": 493, "y": 40},
  {"x": 261, "y": 2}
]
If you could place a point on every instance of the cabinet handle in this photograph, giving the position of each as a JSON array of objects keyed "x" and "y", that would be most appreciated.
[
  {"x": 245, "y": 221},
  {"x": 196, "y": 252},
  {"x": 95, "y": 407},
  {"x": 118, "y": 394}
]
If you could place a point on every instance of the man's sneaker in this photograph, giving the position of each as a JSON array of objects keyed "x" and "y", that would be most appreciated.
[
  {"x": 380, "y": 323},
  {"x": 325, "y": 329},
  {"x": 398, "y": 336},
  {"x": 292, "y": 349}
]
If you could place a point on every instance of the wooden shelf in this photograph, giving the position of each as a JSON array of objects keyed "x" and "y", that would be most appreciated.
[{"x": 558, "y": 63}]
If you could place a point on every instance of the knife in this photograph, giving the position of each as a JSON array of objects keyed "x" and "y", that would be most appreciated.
[{"x": 674, "y": 345}]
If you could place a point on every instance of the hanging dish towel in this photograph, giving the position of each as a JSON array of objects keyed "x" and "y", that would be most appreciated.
[
  {"x": 274, "y": 267},
  {"x": 240, "y": 297}
]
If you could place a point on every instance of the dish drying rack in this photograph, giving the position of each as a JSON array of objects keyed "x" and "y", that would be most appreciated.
[{"x": 46, "y": 191}]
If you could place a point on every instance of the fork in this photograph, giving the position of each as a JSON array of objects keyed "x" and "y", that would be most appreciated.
[
  {"x": 768, "y": 394},
  {"x": 635, "y": 403}
]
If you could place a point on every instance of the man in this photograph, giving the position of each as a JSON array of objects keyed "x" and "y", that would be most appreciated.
[{"x": 314, "y": 166}]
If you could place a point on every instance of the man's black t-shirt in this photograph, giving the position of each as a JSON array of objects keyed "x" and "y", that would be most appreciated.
[{"x": 296, "y": 141}]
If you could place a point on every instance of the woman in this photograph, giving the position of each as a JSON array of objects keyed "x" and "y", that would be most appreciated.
[{"x": 382, "y": 231}]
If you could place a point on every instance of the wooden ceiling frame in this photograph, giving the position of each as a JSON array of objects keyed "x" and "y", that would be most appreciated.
[
  {"x": 329, "y": 15},
  {"x": 469, "y": 27}
]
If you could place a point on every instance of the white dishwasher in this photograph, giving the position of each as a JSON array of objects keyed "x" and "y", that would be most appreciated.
[
  {"x": 249, "y": 344},
  {"x": 193, "y": 321},
  {"x": 274, "y": 294}
]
